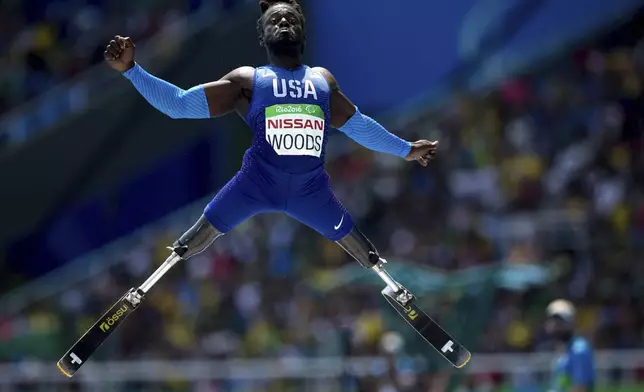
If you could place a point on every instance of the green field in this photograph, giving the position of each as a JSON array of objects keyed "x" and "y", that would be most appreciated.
[
  {"x": 606, "y": 388},
  {"x": 633, "y": 388}
]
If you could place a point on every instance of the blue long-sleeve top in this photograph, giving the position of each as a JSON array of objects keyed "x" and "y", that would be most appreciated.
[
  {"x": 168, "y": 98},
  {"x": 179, "y": 103},
  {"x": 370, "y": 134}
]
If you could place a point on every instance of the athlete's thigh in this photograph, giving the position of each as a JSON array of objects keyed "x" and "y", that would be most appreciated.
[
  {"x": 315, "y": 205},
  {"x": 240, "y": 199}
]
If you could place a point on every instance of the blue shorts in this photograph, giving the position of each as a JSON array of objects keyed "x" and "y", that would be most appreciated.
[{"x": 259, "y": 187}]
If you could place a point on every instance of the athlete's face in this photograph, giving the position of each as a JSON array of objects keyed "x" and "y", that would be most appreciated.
[
  {"x": 283, "y": 30},
  {"x": 558, "y": 329}
]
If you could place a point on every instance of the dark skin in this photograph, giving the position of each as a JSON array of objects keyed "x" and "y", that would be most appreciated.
[{"x": 233, "y": 92}]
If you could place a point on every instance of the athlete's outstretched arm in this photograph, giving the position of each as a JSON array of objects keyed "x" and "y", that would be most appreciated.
[
  {"x": 346, "y": 117},
  {"x": 202, "y": 101}
]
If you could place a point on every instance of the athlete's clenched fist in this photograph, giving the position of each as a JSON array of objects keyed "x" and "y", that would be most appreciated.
[{"x": 119, "y": 53}]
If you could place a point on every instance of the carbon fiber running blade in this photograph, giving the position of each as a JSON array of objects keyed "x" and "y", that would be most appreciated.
[
  {"x": 91, "y": 340},
  {"x": 430, "y": 330}
]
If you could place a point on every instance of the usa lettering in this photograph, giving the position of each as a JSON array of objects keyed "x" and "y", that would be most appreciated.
[{"x": 294, "y": 89}]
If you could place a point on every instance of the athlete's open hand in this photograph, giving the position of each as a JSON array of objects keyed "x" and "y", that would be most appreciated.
[
  {"x": 119, "y": 53},
  {"x": 422, "y": 151}
]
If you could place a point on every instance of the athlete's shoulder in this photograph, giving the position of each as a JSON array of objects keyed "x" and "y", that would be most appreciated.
[
  {"x": 243, "y": 76},
  {"x": 266, "y": 72},
  {"x": 328, "y": 76},
  {"x": 241, "y": 72}
]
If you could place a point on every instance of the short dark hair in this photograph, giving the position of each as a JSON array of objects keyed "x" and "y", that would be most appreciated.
[{"x": 265, "y": 5}]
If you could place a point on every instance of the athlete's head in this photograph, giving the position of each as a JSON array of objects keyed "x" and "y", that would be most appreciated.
[
  {"x": 561, "y": 320},
  {"x": 281, "y": 27}
]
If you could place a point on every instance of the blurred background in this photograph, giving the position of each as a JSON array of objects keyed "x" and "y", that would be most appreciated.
[{"x": 537, "y": 194}]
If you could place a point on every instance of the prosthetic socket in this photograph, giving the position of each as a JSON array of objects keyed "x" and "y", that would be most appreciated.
[
  {"x": 360, "y": 248},
  {"x": 196, "y": 239}
]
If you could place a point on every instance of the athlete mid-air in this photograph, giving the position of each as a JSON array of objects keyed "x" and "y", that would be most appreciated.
[{"x": 289, "y": 106}]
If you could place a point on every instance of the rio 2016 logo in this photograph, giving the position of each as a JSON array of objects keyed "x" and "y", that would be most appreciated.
[{"x": 110, "y": 320}]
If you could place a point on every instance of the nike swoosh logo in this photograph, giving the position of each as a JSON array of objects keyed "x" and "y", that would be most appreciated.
[{"x": 339, "y": 224}]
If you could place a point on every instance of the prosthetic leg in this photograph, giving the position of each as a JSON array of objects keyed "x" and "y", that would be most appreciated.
[
  {"x": 200, "y": 236},
  {"x": 363, "y": 251},
  {"x": 403, "y": 301},
  {"x": 192, "y": 242}
]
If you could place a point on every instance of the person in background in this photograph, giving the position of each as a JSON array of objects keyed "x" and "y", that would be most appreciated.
[{"x": 574, "y": 365}]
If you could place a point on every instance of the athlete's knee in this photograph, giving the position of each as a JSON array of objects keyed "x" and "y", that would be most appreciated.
[
  {"x": 196, "y": 239},
  {"x": 360, "y": 248}
]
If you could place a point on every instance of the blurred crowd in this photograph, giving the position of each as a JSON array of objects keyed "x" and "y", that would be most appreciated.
[
  {"x": 572, "y": 144},
  {"x": 548, "y": 169},
  {"x": 45, "y": 42}
]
